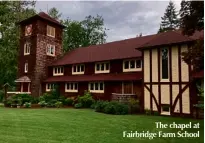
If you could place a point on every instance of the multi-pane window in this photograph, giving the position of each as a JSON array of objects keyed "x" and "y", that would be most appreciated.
[
  {"x": 132, "y": 65},
  {"x": 78, "y": 69},
  {"x": 50, "y": 31},
  {"x": 58, "y": 71},
  {"x": 50, "y": 50},
  {"x": 71, "y": 87},
  {"x": 96, "y": 87},
  {"x": 26, "y": 67},
  {"x": 27, "y": 47},
  {"x": 50, "y": 86},
  {"x": 102, "y": 67},
  {"x": 165, "y": 66}
]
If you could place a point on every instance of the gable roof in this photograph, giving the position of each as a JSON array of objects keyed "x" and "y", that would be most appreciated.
[
  {"x": 123, "y": 49},
  {"x": 171, "y": 37},
  {"x": 44, "y": 16},
  {"x": 109, "y": 51}
]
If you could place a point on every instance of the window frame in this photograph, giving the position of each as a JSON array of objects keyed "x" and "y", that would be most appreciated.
[
  {"x": 94, "y": 87},
  {"x": 161, "y": 75},
  {"x": 129, "y": 69},
  {"x": 104, "y": 67},
  {"x": 75, "y": 69},
  {"x": 58, "y": 71},
  {"x": 73, "y": 85},
  {"x": 27, "y": 47},
  {"x": 49, "y": 31},
  {"x": 50, "y": 85},
  {"x": 48, "y": 50},
  {"x": 26, "y": 67}
]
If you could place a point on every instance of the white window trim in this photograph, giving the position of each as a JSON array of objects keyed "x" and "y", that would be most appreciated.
[
  {"x": 51, "y": 28},
  {"x": 58, "y": 74},
  {"x": 104, "y": 71},
  {"x": 26, "y": 67},
  {"x": 25, "y": 45},
  {"x": 71, "y": 90},
  {"x": 96, "y": 91},
  {"x": 54, "y": 50},
  {"x": 129, "y": 69},
  {"x": 161, "y": 79},
  {"x": 76, "y": 73},
  {"x": 52, "y": 86}
]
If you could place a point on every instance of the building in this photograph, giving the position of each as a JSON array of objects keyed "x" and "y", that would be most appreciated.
[{"x": 149, "y": 67}]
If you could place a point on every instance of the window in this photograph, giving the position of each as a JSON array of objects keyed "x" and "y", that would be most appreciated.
[
  {"x": 50, "y": 31},
  {"x": 27, "y": 48},
  {"x": 58, "y": 71},
  {"x": 96, "y": 87},
  {"x": 78, "y": 69},
  {"x": 103, "y": 67},
  {"x": 49, "y": 86},
  {"x": 50, "y": 50},
  {"x": 28, "y": 30},
  {"x": 165, "y": 66},
  {"x": 132, "y": 65},
  {"x": 71, "y": 87},
  {"x": 26, "y": 67}
]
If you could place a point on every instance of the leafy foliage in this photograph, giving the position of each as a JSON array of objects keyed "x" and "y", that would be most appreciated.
[
  {"x": 58, "y": 104},
  {"x": 134, "y": 105},
  {"x": 27, "y": 105},
  {"x": 69, "y": 101},
  {"x": 78, "y": 105},
  {"x": 170, "y": 20},
  {"x": 54, "y": 13},
  {"x": 89, "y": 31},
  {"x": 11, "y": 13},
  {"x": 86, "y": 100}
]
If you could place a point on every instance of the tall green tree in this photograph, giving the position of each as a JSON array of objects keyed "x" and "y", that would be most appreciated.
[
  {"x": 170, "y": 20},
  {"x": 192, "y": 19},
  {"x": 90, "y": 31},
  {"x": 54, "y": 13},
  {"x": 11, "y": 13}
]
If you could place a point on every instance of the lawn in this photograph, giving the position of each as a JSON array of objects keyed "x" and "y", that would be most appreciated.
[{"x": 83, "y": 126}]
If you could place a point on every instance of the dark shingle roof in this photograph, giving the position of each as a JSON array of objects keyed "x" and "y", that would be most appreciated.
[{"x": 44, "y": 16}]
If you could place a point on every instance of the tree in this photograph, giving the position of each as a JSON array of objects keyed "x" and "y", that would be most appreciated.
[
  {"x": 11, "y": 12},
  {"x": 192, "y": 19},
  {"x": 54, "y": 13},
  {"x": 170, "y": 20},
  {"x": 89, "y": 31}
]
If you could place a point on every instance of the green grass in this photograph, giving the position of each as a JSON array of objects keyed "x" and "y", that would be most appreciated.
[{"x": 83, "y": 126}]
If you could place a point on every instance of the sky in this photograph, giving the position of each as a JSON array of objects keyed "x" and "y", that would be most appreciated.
[{"x": 124, "y": 19}]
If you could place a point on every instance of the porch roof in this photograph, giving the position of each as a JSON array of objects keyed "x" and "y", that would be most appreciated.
[
  {"x": 97, "y": 77},
  {"x": 23, "y": 79}
]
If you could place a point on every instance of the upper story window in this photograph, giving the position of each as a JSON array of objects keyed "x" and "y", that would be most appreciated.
[
  {"x": 165, "y": 65},
  {"x": 50, "y": 31},
  {"x": 96, "y": 87},
  {"x": 58, "y": 71},
  {"x": 50, "y": 50},
  {"x": 26, "y": 67},
  {"x": 132, "y": 65},
  {"x": 27, "y": 47},
  {"x": 28, "y": 30},
  {"x": 50, "y": 86},
  {"x": 71, "y": 87},
  {"x": 78, "y": 69},
  {"x": 103, "y": 67}
]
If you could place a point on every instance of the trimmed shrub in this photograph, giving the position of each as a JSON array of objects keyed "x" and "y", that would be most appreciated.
[
  {"x": 111, "y": 107},
  {"x": 68, "y": 101},
  {"x": 58, "y": 104},
  {"x": 62, "y": 99},
  {"x": 27, "y": 105},
  {"x": 20, "y": 99},
  {"x": 78, "y": 105},
  {"x": 86, "y": 100},
  {"x": 42, "y": 103},
  {"x": 134, "y": 106},
  {"x": 35, "y": 100}
]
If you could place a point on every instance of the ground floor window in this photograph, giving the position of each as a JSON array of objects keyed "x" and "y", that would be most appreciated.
[
  {"x": 49, "y": 86},
  {"x": 71, "y": 87},
  {"x": 96, "y": 87},
  {"x": 165, "y": 109}
]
